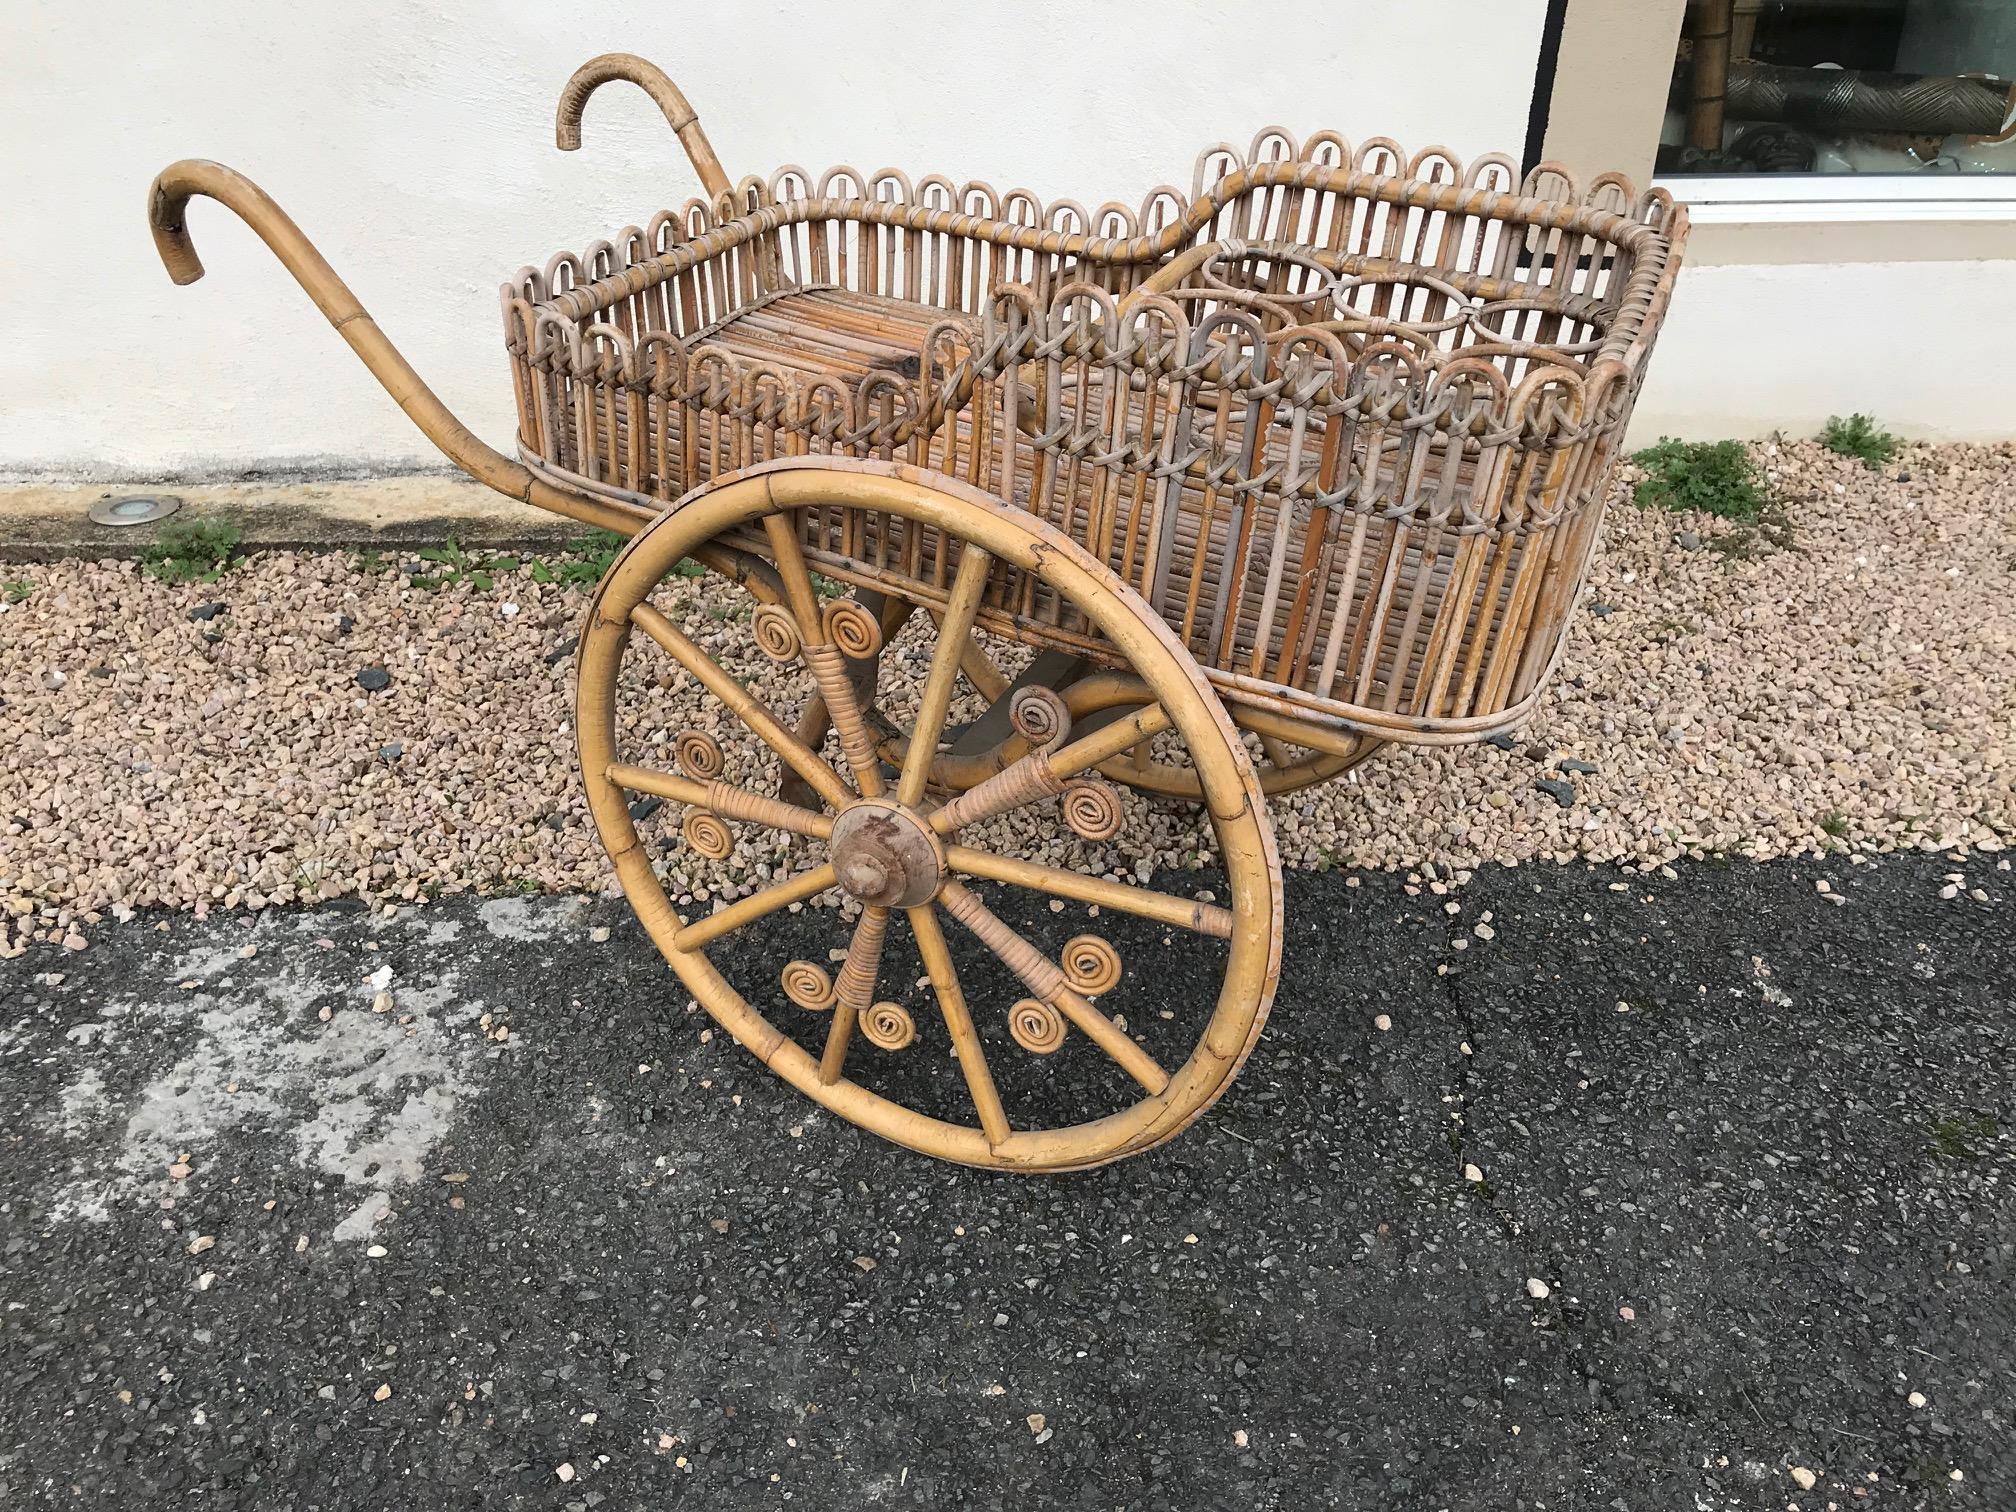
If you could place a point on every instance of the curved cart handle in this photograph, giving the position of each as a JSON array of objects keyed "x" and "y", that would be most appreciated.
[
  {"x": 652, "y": 79},
  {"x": 169, "y": 199}
]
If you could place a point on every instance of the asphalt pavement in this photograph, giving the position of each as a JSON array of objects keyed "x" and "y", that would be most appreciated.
[{"x": 1665, "y": 1193}]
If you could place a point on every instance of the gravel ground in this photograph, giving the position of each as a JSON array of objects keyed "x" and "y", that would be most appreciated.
[
  {"x": 1661, "y": 1194},
  {"x": 1726, "y": 697}
]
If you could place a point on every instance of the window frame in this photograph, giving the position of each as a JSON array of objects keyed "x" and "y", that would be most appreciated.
[
  {"x": 1642, "y": 37},
  {"x": 1832, "y": 198}
]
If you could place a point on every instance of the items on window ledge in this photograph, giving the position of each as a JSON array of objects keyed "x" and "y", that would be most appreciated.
[{"x": 1843, "y": 86}]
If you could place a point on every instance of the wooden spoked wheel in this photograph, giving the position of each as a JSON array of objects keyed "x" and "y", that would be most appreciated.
[{"x": 936, "y": 991}]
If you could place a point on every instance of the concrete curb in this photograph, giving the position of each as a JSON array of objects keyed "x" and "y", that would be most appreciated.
[{"x": 49, "y": 522}]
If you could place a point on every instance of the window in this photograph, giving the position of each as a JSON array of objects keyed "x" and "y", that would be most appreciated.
[{"x": 1843, "y": 86}]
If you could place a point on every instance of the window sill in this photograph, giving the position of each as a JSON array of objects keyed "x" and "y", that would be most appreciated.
[{"x": 1842, "y": 198}]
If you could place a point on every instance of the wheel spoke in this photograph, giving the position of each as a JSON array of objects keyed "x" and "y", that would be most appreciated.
[
  {"x": 1163, "y": 908},
  {"x": 793, "y": 573},
  {"x": 814, "y": 721},
  {"x": 1042, "y": 774},
  {"x": 1046, "y": 979},
  {"x": 744, "y": 705},
  {"x": 854, "y": 988},
  {"x": 980, "y": 669},
  {"x": 723, "y": 798},
  {"x": 959, "y": 1022},
  {"x": 823, "y": 659},
  {"x": 1103, "y": 744},
  {"x": 953, "y": 633},
  {"x": 703, "y": 932}
]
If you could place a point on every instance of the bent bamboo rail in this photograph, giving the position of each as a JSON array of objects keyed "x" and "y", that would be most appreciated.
[
  {"x": 1655, "y": 250},
  {"x": 167, "y": 203},
  {"x": 652, "y": 79}
]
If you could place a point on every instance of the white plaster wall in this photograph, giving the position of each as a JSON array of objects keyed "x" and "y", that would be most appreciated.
[
  {"x": 412, "y": 140},
  {"x": 1749, "y": 349}
]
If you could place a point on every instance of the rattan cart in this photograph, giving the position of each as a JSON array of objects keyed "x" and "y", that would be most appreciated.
[{"x": 1205, "y": 500}]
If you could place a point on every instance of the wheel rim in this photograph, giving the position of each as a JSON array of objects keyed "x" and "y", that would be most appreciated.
[{"x": 891, "y": 865}]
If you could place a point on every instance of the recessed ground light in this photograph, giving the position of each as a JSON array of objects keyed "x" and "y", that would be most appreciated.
[{"x": 133, "y": 509}]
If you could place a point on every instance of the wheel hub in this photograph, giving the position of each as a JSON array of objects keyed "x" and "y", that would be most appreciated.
[{"x": 886, "y": 855}]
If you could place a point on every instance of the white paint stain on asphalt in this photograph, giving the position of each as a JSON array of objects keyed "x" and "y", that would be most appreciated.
[
  {"x": 81, "y": 1105},
  {"x": 531, "y": 918},
  {"x": 361, "y": 1096}
]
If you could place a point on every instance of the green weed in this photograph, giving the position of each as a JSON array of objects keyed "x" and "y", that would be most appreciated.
[
  {"x": 1859, "y": 436},
  {"x": 586, "y": 561},
  {"x": 190, "y": 551},
  {"x": 1714, "y": 477},
  {"x": 458, "y": 566}
]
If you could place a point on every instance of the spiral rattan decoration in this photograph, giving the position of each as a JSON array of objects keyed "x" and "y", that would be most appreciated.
[
  {"x": 1091, "y": 965},
  {"x": 1092, "y": 809},
  {"x": 888, "y": 1026},
  {"x": 852, "y": 628},
  {"x": 698, "y": 755},
  {"x": 776, "y": 633},
  {"x": 808, "y": 986},
  {"x": 1036, "y": 1026},
  {"x": 707, "y": 834},
  {"x": 1039, "y": 715}
]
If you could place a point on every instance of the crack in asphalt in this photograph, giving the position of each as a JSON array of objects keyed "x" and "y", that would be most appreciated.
[
  {"x": 1493, "y": 1192},
  {"x": 630, "y": 1251}
]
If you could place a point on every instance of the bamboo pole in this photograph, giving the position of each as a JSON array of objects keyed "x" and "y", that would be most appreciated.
[
  {"x": 1709, "y": 79},
  {"x": 679, "y": 115}
]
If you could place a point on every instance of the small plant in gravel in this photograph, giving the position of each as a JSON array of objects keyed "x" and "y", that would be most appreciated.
[
  {"x": 588, "y": 559},
  {"x": 17, "y": 590},
  {"x": 1953, "y": 1138},
  {"x": 1713, "y": 477},
  {"x": 1834, "y": 823},
  {"x": 458, "y": 566},
  {"x": 1859, "y": 436},
  {"x": 190, "y": 551}
]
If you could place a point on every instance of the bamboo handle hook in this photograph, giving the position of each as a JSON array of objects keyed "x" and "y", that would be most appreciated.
[
  {"x": 652, "y": 79},
  {"x": 167, "y": 204}
]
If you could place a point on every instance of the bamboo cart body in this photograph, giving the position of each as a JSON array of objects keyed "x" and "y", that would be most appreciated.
[
  {"x": 1344, "y": 419},
  {"x": 1311, "y": 456}
]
